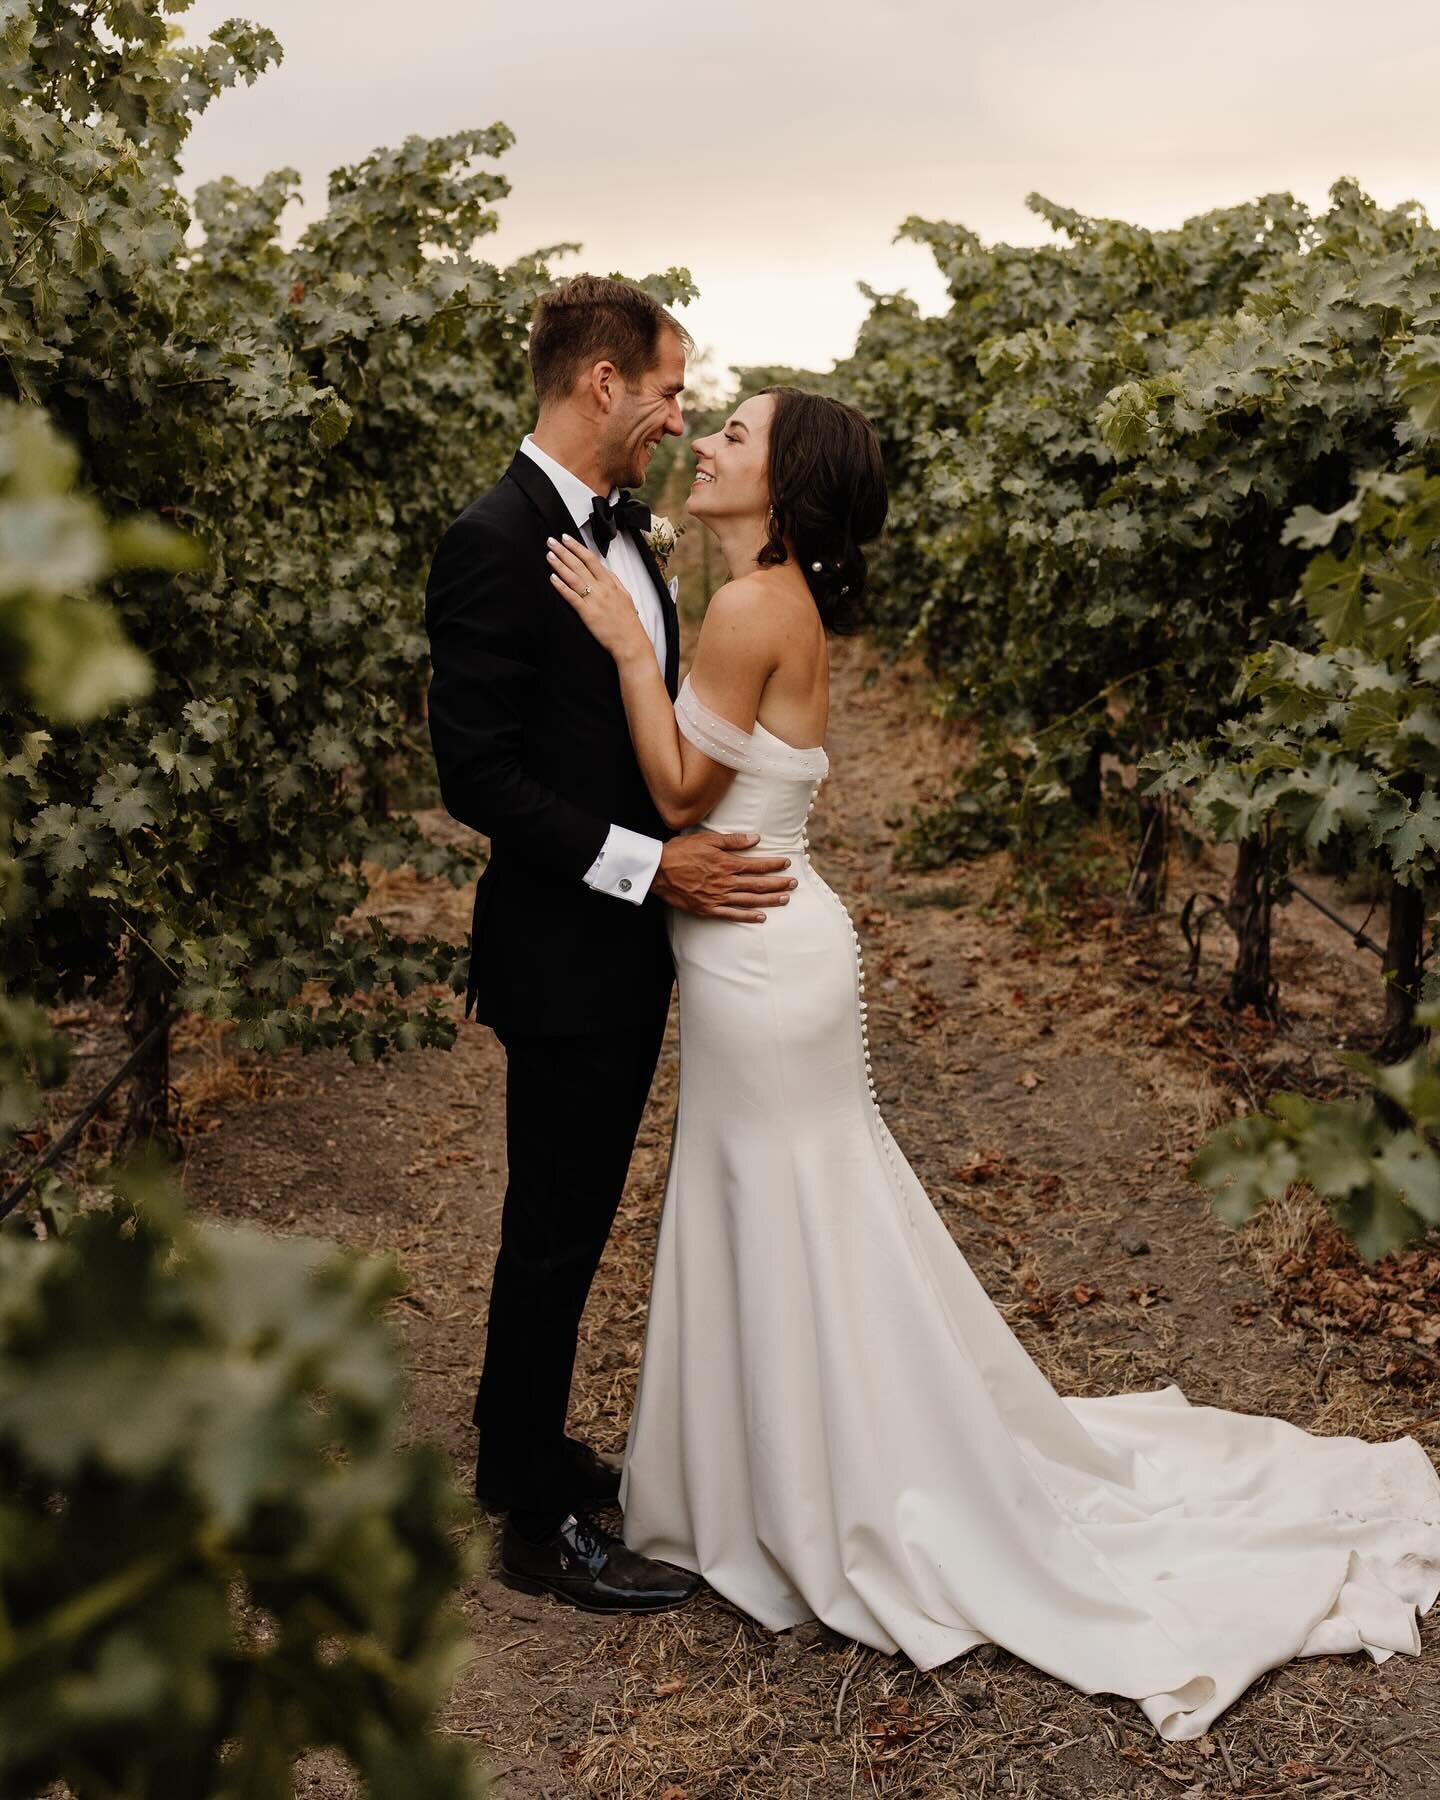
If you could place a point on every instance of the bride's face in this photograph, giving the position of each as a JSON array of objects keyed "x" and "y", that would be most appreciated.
[{"x": 732, "y": 465}]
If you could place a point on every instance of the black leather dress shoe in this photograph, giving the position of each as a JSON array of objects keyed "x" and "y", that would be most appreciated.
[
  {"x": 592, "y": 1479},
  {"x": 590, "y": 1567}
]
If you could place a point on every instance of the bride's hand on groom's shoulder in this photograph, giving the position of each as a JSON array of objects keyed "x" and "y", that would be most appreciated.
[
  {"x": 609, "y": 614},
  {"x": 711, "y": 874}
]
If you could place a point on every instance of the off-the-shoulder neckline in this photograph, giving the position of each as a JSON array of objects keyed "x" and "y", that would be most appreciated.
[{"x": 784, "y": 743}]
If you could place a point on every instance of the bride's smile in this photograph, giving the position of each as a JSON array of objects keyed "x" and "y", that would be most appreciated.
[{"x": 730, "y": 475}]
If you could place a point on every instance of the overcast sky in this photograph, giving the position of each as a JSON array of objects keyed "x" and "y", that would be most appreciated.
[{"x": 773, "y": 146}]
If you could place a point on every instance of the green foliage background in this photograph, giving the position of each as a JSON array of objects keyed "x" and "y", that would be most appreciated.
[
  {"x": 1091, "y": 454},
  {"x": 213, "y": 1551},
  {"x": 312, "y": 417},
  {"x": 1170, "y": 497}
]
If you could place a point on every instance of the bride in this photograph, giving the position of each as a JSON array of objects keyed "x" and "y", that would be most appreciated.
[{"x": 833, "y": 1420}]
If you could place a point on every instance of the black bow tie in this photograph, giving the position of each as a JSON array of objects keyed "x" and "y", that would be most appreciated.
[{"x": 609, "y": 518}]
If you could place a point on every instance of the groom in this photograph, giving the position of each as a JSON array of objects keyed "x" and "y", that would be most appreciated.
[{"x": 570, "y": 961}]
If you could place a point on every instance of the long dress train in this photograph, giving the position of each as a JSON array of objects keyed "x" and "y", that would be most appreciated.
[{"x": 834, "y": 1421}]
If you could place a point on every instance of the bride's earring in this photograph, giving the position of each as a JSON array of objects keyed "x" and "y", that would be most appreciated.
[{"x": 771, "y": 523}]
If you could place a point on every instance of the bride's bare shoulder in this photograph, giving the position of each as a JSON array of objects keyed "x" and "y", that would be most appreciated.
[
  {"x": 737, "y": 594},
  {"x": 753, "y": 602}
]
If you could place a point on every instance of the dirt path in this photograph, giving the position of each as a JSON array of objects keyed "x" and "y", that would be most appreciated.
[{"x": 1048, "y": 1094}]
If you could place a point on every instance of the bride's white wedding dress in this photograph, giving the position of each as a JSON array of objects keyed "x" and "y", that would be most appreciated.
[{"x": 834, "y": 1421}]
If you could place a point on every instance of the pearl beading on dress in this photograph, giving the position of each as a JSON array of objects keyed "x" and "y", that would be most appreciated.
[{"x": 758, "y": 751}]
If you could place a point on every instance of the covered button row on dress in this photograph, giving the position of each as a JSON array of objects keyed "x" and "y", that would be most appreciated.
[
  {"x": 804, "y": 831},
  {"x": 864, "y": 1011},
  {"x": 887, "y": 1143}
]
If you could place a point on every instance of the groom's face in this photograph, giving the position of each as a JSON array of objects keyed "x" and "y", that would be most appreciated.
[{"x": 644, "y": 411}]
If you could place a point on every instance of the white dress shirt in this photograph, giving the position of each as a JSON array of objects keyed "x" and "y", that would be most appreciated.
[{"x": 628, "y": 859}]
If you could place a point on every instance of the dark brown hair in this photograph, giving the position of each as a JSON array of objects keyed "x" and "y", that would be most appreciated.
[
  {"x": 827, "y": 497},
  {"x": 591, "y": 319}
]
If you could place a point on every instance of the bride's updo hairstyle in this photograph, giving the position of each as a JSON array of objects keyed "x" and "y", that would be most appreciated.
[{"x": 827, "y": 498}]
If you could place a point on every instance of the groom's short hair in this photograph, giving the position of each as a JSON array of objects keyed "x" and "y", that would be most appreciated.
[{"x": 590, "y": 319}]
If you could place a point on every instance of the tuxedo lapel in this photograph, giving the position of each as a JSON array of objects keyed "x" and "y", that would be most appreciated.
[
  {"x": 667, "y": 608},
  {"x": 555, "y": 516},
  {"x": 539, "y": 490}
]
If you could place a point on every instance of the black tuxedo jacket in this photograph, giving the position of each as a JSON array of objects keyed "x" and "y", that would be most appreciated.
[{"x": 533, "y": 749}]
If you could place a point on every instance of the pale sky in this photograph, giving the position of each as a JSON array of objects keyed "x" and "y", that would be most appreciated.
[{"x": 774, "y": 147}]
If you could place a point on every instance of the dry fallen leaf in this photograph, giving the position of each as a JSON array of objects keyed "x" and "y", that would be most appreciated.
[
  {"x": 1028, "y": 1080},
  {"x": 983, "y": 1167}
]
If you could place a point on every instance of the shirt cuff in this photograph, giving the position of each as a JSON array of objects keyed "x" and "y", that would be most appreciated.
[{"x": 626, "y": 864}]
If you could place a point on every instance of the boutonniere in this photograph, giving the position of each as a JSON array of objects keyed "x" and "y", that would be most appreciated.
[{"x": 662, "y": 537}]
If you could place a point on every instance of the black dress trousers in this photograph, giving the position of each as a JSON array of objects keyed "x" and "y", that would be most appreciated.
[{"x": 573, "y": 1106}]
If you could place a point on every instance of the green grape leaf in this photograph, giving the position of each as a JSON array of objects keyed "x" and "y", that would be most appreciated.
[
  {"x": 1377, "y": 1221},
  {"x": 67, "y": 835},
  {"x": 331, "y": 419},
  {"x": 1415, "y": 833},
  {"x": 1335, "y": 595},
  {"x": 1313, "y": 530},
  {"x": 1125, "y": 419},
  {"x": 1417, "y": 376},
  {"x": 1244, "y": 1164},
  {"x": 1334, "y": 1149},
  {"x": 1411, "y": 1168},
  {"x": 75, "y": 662},
  {"x": 124, "y": 799},
  {"x": 1386, "y": 282},
  {"x": 1328, "y": 796},
  {"x": 17, "y": 28},
  {"x": 209, "y": 722},
  {"x": 1412, "y": 1084}
]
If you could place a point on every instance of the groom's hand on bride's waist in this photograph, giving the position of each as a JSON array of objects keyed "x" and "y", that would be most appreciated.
[{"x": 710, "y": 873}]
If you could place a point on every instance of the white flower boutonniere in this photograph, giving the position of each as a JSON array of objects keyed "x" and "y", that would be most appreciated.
[{"x": 662, "y": 538}]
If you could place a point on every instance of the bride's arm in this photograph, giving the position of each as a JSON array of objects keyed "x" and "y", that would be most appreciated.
[{"x": 733, "y": 660}]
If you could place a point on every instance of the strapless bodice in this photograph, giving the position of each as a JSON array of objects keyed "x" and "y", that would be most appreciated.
[{"x": 775, "y": 783}]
